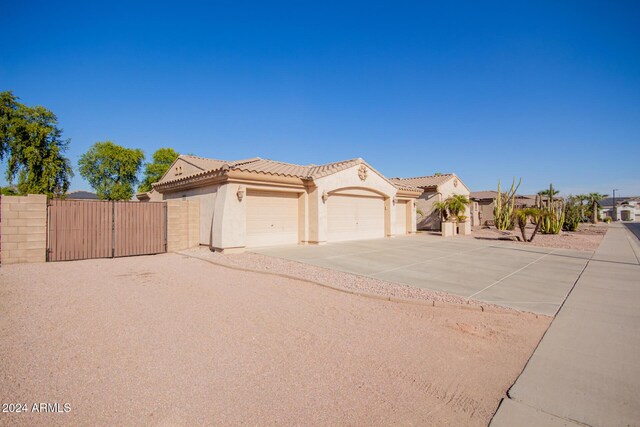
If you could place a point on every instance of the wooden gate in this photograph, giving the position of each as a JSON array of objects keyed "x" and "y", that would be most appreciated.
[{"x": 82, "y": 229}]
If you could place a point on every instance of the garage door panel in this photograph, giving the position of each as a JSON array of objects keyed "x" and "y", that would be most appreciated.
[
  {"x": 354, "y": 218},
  {"x": 272, "y": 218}
]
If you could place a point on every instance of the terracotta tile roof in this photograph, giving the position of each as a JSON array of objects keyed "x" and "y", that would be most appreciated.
[
  {"x": 202, "y": 163},
  {"x": 329, "y": 168},
  {"x": 423, "y": 181},
  {"x": 271, "y": 167},
  {"x": 483, "y": 195}
]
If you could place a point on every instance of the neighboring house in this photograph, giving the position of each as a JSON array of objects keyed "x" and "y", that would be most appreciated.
[
  {"x": 434, "y": 188},
  {"x": 627, "y": 208},
  {"x": 259, "y": 202},
  {"x": 81, "y": 195},
  {"x": 482, "y": 208}
]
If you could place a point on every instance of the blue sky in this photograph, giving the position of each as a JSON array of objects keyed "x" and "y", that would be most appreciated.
[{"x": 546, "y": 91}]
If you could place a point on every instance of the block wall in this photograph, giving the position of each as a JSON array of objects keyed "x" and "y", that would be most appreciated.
[
  {"x": 23, "y": 229},
  {"x": 183, "y": 224}
]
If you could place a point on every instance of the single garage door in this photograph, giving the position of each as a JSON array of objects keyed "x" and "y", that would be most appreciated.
[
  {"x": 354, "y": 218},
  {"x": 272, "y": 218},
  {"x": 401, "y": 217}
]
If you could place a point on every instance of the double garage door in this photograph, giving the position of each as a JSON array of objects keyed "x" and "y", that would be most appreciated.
[
  {"x": 272, "y": 218},
  {"x": 354, "y": 217}
]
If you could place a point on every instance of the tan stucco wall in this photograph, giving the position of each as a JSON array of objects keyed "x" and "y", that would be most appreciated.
[
  {"x": 23, "y": 229},
  {"x": 429, "y": 220},
  {"x": 183, "y": 224},
  {"x": 206, "y": 196}
]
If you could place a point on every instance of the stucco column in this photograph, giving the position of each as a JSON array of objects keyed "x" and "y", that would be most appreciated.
[
  {"x": 230, "y": 219},
  {"x": 412, "y": 217},
  {"x": 317, "y": 217}
]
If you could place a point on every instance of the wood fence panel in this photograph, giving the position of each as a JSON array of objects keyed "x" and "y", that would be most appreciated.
[
  {"x": 83, "y": 229},
  {"x": 139, "y": 228},
  {"x": 78, "y": 230}
]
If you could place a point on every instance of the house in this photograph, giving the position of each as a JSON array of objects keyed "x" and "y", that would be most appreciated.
[
  {"x": 482, "y": 206},
  {"x": 627, "y": 208},
  {"x": 260, "y": 202},
  {"x": 81, "y": 195},
  {"x": 434, "y": 188}
]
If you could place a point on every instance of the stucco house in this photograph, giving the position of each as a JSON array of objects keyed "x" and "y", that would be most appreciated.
[
  {"x": 483, "y": 205},
  {"x": 259, "y": 202},
  {"x": 627, "y": 208},
  {"x": 434, "y": 188}
]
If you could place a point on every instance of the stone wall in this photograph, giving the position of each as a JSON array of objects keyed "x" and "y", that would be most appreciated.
[
  {"x": 23, "y": 229},
  {"x": 183, "y": 224}
]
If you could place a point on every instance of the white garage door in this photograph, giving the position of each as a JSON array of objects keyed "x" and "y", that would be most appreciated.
[
  {"x": 401, "y": 217},
  {"x": 353, "y": 218},
  {"x": 272, "y": 218}
]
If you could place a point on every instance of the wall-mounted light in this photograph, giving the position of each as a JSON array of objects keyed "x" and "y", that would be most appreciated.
[
  {"x": 395, "y": 201},
  {"x": 325, "y": 196},
  {"x": 240, "y": 193}
]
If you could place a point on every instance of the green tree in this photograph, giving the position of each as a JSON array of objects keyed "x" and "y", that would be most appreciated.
[
  {"x": 32, "y": 142},
  {"x": 112, "y": 170},
  {"x": 594, "y": 199},
  {"x": 162, "y": 160}
]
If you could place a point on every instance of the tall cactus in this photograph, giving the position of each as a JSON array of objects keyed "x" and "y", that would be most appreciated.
[
  {"x": 504, "y": 206},
  {"x": 553, "y": 220}
]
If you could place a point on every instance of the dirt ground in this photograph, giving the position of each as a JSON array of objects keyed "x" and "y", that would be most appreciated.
[
  {"x": 170, "y": 340},
  {"x": 586, "y": 238}
]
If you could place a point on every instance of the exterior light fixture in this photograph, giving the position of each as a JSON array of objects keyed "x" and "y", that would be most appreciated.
[
  {"x": 325, "y": 196},
  {"x": 240, "y": 193}
]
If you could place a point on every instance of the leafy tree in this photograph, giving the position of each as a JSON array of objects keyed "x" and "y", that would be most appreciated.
[
  {"x": 162, "y": 160},
  {"x": 593, "y": 199},
  {"x": 112, "y": 170},
  {"x": 33, "y": 144},
  {"x": 9, "y": 191},
  {"x": 573, "y": 212}
]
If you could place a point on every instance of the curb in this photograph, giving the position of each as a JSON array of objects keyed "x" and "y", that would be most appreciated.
[{"x": 428, "y": 303}]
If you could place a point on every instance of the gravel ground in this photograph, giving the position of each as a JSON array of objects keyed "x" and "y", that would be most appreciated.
[
  {"x": 586, "y": 238},
  {"x": 332, "y": 278},
  {"x": 171, "y": 340}
]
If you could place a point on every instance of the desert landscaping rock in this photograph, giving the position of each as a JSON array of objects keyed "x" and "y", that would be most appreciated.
[
  {"x": 586, "y": 238},
  {"x": 172, "y": 340}
]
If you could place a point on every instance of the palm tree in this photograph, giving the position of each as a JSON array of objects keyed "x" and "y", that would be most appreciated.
[
  {"x": 454, "y": 206},
  {"x": 458, "y": 204},
  {"x": 594, "y": 199},
  {"x": 442, "y": 208},
  {"x": 523, "y": 216}
]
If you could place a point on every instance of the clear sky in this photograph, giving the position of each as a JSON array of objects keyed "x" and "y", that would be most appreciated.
[{"x": 546, "y": 91}]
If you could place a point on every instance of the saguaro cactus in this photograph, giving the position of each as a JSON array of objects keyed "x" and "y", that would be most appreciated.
[{"x": 504, "y": 207}]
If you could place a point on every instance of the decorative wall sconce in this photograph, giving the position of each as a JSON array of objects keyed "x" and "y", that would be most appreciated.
[
  {"x": 240, "y": 193},
  {"x": 395, "y": 201},
  {"x": 325, "y": 196}
]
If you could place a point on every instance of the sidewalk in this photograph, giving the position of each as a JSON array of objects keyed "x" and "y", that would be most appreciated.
[{"x": 586, "y": 370}]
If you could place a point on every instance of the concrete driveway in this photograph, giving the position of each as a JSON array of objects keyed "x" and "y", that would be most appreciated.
[{"x": 525, "y": 278}]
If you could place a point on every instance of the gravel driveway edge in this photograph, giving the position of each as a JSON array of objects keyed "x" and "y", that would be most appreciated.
[{"x": 470, "y": 305}]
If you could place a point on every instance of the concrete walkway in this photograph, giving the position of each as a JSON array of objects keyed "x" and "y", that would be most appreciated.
[{"x": 586, "y": 369}]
